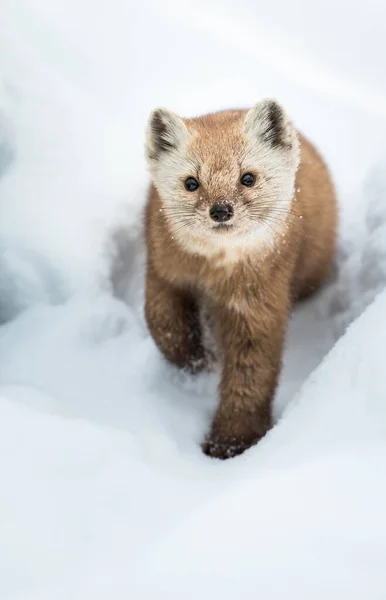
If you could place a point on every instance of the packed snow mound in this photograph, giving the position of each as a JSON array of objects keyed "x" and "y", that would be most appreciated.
[
  {"x": 106, "y": 493},
  {"x": 311, "y": 494}
]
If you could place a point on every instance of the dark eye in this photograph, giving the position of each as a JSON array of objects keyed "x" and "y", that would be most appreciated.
[
  {"x": 191, "y": 184},
  {"x": 248, "y": 179}
]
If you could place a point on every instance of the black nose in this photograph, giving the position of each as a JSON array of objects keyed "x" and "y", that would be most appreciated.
[{"x": 221, "y": 212}]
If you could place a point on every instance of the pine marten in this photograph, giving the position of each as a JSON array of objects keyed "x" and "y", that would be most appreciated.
[{"x": 240, "y": 222}]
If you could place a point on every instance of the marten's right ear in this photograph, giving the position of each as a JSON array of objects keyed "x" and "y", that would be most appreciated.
[{"x": 165, "y": 132}]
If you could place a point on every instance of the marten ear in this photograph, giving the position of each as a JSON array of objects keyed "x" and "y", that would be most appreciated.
[
  {"x": 268, "y": 122},
  {"x": 165, "y": 132}
]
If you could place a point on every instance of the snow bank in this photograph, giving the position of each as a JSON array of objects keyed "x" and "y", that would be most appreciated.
[
  {"x": 306, "y": 511},
  {"x": 105, "y": 492}
]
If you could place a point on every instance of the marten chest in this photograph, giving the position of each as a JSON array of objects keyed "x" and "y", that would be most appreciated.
[
  {"x": 235, "y": 287},
  {"x": 230, "y": 280}
]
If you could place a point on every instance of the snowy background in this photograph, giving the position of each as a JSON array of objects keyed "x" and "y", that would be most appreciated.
[{"x": 104, "y": 491}]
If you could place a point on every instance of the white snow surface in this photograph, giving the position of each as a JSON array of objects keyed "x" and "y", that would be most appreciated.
[{"x": 105, "y": 493}]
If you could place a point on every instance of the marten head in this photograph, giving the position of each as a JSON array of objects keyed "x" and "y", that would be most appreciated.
[{"x": 224, "y": 179}]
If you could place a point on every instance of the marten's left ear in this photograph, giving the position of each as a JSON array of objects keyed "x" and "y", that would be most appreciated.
[
  {"x": 268, "y": 123},
  {"x": 165, "y": 132}
]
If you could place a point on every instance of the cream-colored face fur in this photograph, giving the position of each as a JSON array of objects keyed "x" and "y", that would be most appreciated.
[{"x": 217, "y": 150}]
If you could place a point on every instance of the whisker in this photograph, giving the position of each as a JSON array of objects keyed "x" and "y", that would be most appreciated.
[
  {"x": 281, "y": 214},
  {"x": 276, "y": 232}
]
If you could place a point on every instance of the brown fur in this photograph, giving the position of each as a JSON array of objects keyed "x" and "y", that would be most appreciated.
[{"x": 249, "y": 291}]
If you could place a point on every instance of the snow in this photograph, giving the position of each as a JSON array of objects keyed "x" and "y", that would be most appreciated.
[{"x": 105, "y": 492}]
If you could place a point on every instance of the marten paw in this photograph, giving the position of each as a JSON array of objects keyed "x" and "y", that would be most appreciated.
[
  {"x": 223, "y": 447},
  {"x": 197, "y": 365},
  {"x": 200, "y": 361}
]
